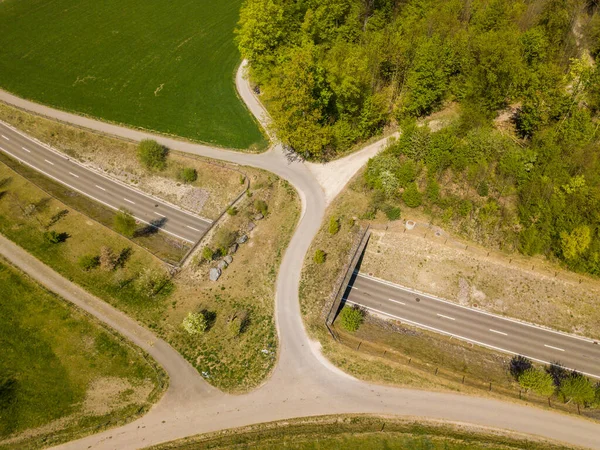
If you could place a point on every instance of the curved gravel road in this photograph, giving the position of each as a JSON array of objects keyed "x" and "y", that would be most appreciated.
[{"x": 303, "y": 383}]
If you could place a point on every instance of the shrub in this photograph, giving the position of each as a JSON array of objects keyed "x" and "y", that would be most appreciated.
[
  {"x": 124, "y": 223},
  {"x": 188, "y": 175},
  {"x": 151, "y": 282},
  {"x": 224, "y": 238},
  {"x": 55, "y": 238},
  {"x": 89, "y": 262},
  {"x": 351, "y": 318},
  {"x": 152, "y": 155},
  {"x": 320, "y": 256},
  {"x": 578, "y": 389},
  {"x": 232, "y": 211},
  {"x": 334, "y": 225},
  {"x": 392, "y": 212},
  {"x": 483, "y": 189},
  {"x": 261, "y": 206},
  {"x": 234, "y": 327},
  {"x": 537, "y": 381},
  {"x": 411, "y": 196},
  {"x": 207, "y": 254},
  {"x": 518, "y": 365},
  {"x": 108, "y": 259},
  {"x": 195, "y": 323}
]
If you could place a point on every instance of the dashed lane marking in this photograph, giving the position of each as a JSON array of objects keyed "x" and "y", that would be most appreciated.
[
  {"x": 446, "y": 317},
  {"x": 195, "y": 229},
  {"x": 498, "y": 332},
  {"x": 5, "y": 138},
  {"x": 100, "y": 187},
  {"x": 127, "y": 200},
  {"x": 554, "y": 348},
  {"x": 26, "y": 149},
  {"x": 49, "y": 162},
  {"x": 76, "y": 176}
]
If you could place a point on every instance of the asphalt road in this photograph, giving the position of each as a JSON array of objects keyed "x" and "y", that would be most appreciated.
[
  {"x": 472, "y": 325},
  {"x": 111, "y": 193}
]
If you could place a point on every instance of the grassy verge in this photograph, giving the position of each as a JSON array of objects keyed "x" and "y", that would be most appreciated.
[
  {"x": 233, "y": 361},
  {"x": 239, "y": 347},
  {"x": 364, "y": 432},
  {"x": 170, "y": 69},
  {"x": 388, "y": 352},
  {"x": 215, "y": 187},
  {"x": 61, "y": 373}
]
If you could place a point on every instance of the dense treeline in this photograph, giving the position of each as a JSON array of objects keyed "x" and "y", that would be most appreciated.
[{"x": 336, "y": 72}]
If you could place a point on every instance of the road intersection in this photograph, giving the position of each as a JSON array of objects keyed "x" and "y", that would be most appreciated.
[{"x": 303, "y": 382}]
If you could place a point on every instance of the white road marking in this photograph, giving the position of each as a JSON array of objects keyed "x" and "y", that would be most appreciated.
[
  {"x": 127, "y": 200},
  {"x": 396, "y": 301},
  {"x": 446, "y": 317},
  {"x": 479, "y": 311},
  {"x": 28, "y": 151},
  {"x": 159, "y": 214},
  {"x": 554, "y": 348},
  {"x": 91, "y": 196},
  {"x": 437, "y": 330},
  {"x": 76, "y": 176},
  {"x": 5, "y": 138},
  {"x": 49, "y": 162},
  {"x": 498, "y": 332},
  {"x": 195, "y": 229},
  {"x": 100, "y": 187}
]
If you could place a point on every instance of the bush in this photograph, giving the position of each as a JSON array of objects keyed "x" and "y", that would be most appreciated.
[
  {"x": 392, "y": 212},
  {"x": 578, "y": 389},
  {"x": 411, "y": 196},
  {"x": 151, "y": 282},
  {"x": 234, "y": 327},
  {"x": 261, "y": 206},
  {"x": 232, "y": 211},
  {"x": 320, "y": 256},
  {"x": 108, "y": 259},
  {"x": 124, "y": 223},
  {"x": 351, "y": 318},
  {"x": 55, "y": 238},
  {"x": 537, "y": 381},
  {"x": 195, "y": 323},
  {"x": 188, "y": 175},
  {"x": 224, "y": 238},
  {"x": 207, "y": 254},
  {"x": 152, "y": 155},
  {"x": 334, "y": 225},
  {"x": 89, "y": 262},
  {"x": 483, "y": 189}
]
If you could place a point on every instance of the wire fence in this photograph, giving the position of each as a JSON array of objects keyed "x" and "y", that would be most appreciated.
[{"x": 485, "y": 386}]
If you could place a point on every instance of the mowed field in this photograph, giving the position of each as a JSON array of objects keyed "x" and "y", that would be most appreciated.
[{"x": 157, "y": 65}]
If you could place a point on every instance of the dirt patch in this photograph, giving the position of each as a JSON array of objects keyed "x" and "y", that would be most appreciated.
[
  {"x": 524, "y": 288},
  {"x": 107, "y": 394}
]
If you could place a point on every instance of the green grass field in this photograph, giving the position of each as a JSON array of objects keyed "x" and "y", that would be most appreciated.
[
  {"x": 163, "y": 66},
  {"x": 52, "y": 357}
]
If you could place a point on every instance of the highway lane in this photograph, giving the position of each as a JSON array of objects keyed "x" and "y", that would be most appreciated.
[
  {"x": 111, "y": 193},
  {"x": 472, "y": 325}
]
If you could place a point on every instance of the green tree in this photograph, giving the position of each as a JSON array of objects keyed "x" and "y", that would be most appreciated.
[
  {"x": 207, "y": 254},
  {"x": 537, "y": 381},
  {"x": 124, "y": 223},
  {"x": 578, "y": 389},
  {"x": 351, "y": 318},
  {"x": 411, "y": 196},
  {"x": 334, "y": 225},
  {"x": 151, "y": 282},
  {"x": 152, "y": 155},
  {"x": 54, "y": 237}
]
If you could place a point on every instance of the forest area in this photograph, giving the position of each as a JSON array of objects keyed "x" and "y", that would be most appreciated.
[{"x": 518, "y": 165}]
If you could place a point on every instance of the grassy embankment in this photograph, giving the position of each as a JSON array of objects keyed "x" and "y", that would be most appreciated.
[
  {"x": 62, "y": 374},
  {"x": 231, "y": 361},
  {"x": 391, "y": 353},
  {"x": 213, "y": 190},
  {"x": 159, "y": 66},
  {"x": 364, "y": 432}
]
